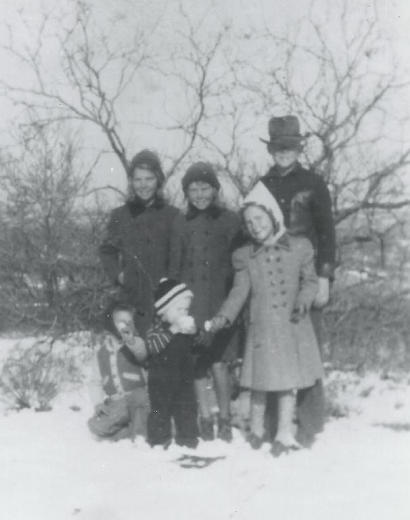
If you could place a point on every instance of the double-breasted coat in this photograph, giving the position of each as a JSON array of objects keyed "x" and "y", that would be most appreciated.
[
  {"x": 279, "y": 354},
  {"x": 201, "y": 251},
  {"x": 137, "y": 244}
]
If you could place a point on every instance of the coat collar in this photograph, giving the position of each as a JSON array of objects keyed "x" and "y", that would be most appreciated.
[
  {"x": 213, "y": 211},
  {"x": 138, "y": 206},
  {"x": 275, "y": 171},
  {"x": 282, "y": 243}
]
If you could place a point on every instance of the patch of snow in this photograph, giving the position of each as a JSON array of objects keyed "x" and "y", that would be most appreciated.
[{"x": 359, "y": 468}]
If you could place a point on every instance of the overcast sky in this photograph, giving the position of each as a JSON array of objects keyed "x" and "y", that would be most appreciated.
[{"x": 245, "y": 15}]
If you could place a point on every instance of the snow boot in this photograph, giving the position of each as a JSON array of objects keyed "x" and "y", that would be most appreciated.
[
  {"x": 206, "y": 428},
  {"x": 224, "y": 429}
]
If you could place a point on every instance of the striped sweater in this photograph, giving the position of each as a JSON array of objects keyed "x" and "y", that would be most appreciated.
[{"x": 158, "y": 338}]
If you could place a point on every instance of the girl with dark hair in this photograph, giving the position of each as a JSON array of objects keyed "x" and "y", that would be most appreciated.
[
  {"x": 201, "y": 247},
  {"x": 135, "y": 250}
]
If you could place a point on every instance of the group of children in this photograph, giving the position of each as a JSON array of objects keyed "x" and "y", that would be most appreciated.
[{"x": 153, "y": 382}]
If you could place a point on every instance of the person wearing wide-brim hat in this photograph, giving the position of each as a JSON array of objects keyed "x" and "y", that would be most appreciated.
[
  {"x": 201, "y": 245},
  {"x": 305, "y": 202},
  {"x": 135, "y": 249}
]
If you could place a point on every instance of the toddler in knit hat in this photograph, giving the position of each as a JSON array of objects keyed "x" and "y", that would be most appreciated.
[{"x": 170, "y": 367}]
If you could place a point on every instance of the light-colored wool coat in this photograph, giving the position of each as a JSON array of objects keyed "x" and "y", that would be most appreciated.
[{"x": 279, "y": 354}]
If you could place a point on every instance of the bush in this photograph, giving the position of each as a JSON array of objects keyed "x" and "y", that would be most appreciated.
[
  {"x": 32, "y": 376},
  {"x": 368, "y": 326}
]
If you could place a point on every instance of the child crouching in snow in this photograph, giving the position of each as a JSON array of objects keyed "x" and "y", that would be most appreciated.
[
  {"x": 170, "y": 368},
  {"x": 281, "y": 353},
  {"x": 118, "y": 384}
]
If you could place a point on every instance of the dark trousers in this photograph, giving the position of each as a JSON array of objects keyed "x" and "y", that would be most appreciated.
[{"x": 172, "y": 396}]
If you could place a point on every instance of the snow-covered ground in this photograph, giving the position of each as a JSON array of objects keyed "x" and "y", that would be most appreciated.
[{"x": 359, "y": 468}]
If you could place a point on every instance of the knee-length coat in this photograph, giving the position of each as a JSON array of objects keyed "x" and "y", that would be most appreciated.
[
  {"x": 279, "y": 354},
  {"x": 201, "y": 256},
  {"x": 137, "y": 243}
]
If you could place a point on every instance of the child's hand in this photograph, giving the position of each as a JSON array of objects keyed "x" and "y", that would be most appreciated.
[
  {"x": 137, "y": 347},
  {"x": 217, "y": 323},
  {"x": 323, "y": 293},
  {"x": 299, "y": 312},
  {"x": 204, "y": 338}
]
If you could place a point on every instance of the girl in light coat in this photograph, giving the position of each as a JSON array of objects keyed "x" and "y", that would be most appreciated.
[{"x": 281, "y": 354}]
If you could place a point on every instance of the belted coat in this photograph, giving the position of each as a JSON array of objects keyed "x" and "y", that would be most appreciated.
[{"x": 279, "y": 354}]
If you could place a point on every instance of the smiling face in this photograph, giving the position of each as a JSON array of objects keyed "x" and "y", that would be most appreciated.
[
  {"x": 144, "y": 183},
  {"x": 201, "y": 194},
  {"x": 124, "y": 322},
  {"x": 259, "y": 224}
]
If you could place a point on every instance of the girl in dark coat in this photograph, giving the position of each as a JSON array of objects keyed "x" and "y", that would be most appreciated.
[
  {"x": 201, "y": 257},
  {"x": 135, "y": 250}
]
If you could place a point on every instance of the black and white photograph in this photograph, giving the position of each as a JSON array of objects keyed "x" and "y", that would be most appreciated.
[{"x": 204, "y": 259}]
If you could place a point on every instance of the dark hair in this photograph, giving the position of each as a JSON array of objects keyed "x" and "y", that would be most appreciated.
[
  {"x": 112, "y": 308},
  {"x": 149, "y": 160}
]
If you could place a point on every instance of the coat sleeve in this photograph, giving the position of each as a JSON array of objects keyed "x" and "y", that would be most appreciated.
[
  {"x": 157, "y": 340},
  {"x": 176, "y": 252},
  {"x": 308, "y": 282},
  {"x": 241, "y": 286},
  {"x": 325, "y": 230},
  {"x": 110, "y": 249}
]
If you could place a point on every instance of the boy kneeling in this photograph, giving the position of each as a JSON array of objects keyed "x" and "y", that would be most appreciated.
[{"x": 118, "y": 385}]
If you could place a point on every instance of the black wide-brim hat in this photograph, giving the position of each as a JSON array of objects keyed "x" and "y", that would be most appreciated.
[{"x": 284, "y": 133}]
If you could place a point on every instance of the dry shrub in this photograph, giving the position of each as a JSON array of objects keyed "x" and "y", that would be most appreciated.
[
  {"x": 368, "y": 327},
  {"x": 32, "y": 376}
]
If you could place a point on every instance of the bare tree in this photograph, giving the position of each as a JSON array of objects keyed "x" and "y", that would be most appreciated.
[
  {"x": 96, "y": 76},
  {"x": 341, "y": 81},
  {"x": 48, "y": 241}
]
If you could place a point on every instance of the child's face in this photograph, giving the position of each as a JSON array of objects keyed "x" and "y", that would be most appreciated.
[
  {"x": 200, "y": 194},
  {"x": 285, "y": 158},
  {"x": 179, "y": 308},
  {"x": 258, "y": 223},
  {"x": 124, "y": 323},
  {"x": 144, "y": 183}
]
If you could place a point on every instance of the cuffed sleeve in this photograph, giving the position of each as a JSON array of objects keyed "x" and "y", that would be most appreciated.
[
  {"x": 238, "y": 295},
  {"x": 110, "y": 249},
  {"x": 308, "y": 280},
  {"x": 325, "y": 230}
]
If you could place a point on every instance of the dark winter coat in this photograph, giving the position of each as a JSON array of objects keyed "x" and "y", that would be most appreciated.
[
  {"x": 279, "y": 354},
  {"x": 137, "y": 243},
  {"x": 201, "y": 247},
  {"x": 306, "y": 206}
]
